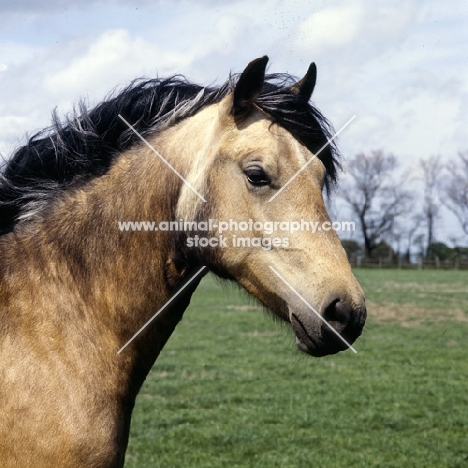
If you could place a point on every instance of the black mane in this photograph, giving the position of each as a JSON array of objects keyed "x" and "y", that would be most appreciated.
[{"x": 83, "y": 147}]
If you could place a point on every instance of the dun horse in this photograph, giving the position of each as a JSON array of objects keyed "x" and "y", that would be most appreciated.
[{"x": 74, "y": 288}]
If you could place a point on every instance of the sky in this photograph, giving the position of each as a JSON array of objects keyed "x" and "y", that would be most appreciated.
[{"x": 399, "y": 66}]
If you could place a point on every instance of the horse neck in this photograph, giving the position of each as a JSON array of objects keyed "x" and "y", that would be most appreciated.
[{"x": 111, "y": 281}]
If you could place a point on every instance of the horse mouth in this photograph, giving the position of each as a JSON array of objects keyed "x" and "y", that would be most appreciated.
[
  {"x": 315, "y": 346},
  {"x": 304, "y": 341}
]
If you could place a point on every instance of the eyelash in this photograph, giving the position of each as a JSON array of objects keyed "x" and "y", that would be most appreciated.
[{"x": 257, "y": 177}]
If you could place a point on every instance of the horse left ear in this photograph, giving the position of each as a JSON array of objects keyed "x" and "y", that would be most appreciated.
[
  {"x": 305, "y": 87},
  {"x": 249, "y": 86}
]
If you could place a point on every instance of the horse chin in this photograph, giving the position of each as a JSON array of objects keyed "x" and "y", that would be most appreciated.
[{"x": 316, "y": 349}]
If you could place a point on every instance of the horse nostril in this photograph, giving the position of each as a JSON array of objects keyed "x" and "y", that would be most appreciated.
[{"x": 339, "y": 314}]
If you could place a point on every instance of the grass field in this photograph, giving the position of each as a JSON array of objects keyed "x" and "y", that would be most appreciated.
[{"x": 230, "y": 389}]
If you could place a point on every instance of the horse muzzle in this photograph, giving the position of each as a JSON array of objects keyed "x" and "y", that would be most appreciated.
[{"x": 332, "y": 330}]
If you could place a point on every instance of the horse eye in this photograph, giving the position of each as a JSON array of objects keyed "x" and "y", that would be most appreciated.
[{"x": 257, "y": 177}]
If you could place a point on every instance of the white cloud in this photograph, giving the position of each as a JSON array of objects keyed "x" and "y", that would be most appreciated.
[
  {"x": 332, "y": 27},
  {"x": 114, "y": 57},
  {"x": 355, "y": 31}
]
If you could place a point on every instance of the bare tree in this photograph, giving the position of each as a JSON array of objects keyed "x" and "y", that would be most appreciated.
[
  {"x": 455, "y": 189},
  {"x": 374, "y": 195},
  {"x": 408, "y": 230},
  {"x": 431, "y": 169}
]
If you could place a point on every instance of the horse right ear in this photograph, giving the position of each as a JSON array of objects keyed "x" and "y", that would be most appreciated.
[{"x": 249, "y": 86}]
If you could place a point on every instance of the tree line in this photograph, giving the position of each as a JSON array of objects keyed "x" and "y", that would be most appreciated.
[{"x": 394, "y": 219}]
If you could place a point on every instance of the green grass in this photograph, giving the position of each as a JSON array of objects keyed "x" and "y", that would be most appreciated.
[{"x": 230, "y": 389}]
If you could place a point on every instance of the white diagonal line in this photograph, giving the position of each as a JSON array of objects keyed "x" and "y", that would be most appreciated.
[
  {"x": 161, "y": 309},
  {"x": 142, "y": 138},
  {"x": 312, "y": 158},
  {"x": 312, "y": 309}
]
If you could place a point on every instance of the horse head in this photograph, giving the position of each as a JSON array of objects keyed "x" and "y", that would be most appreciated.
[{"x": 265, "y": 160}]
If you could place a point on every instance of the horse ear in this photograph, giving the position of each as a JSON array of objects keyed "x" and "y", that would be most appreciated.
[
  {"x": 305, "y": 87},
  {"x": 249, "y": 86}
]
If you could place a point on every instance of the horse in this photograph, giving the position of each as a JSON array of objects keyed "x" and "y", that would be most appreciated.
[{"x": 75, "y": 288}]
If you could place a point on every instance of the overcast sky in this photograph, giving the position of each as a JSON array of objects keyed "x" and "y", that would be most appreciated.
[{"x": 399, "y": 66}]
